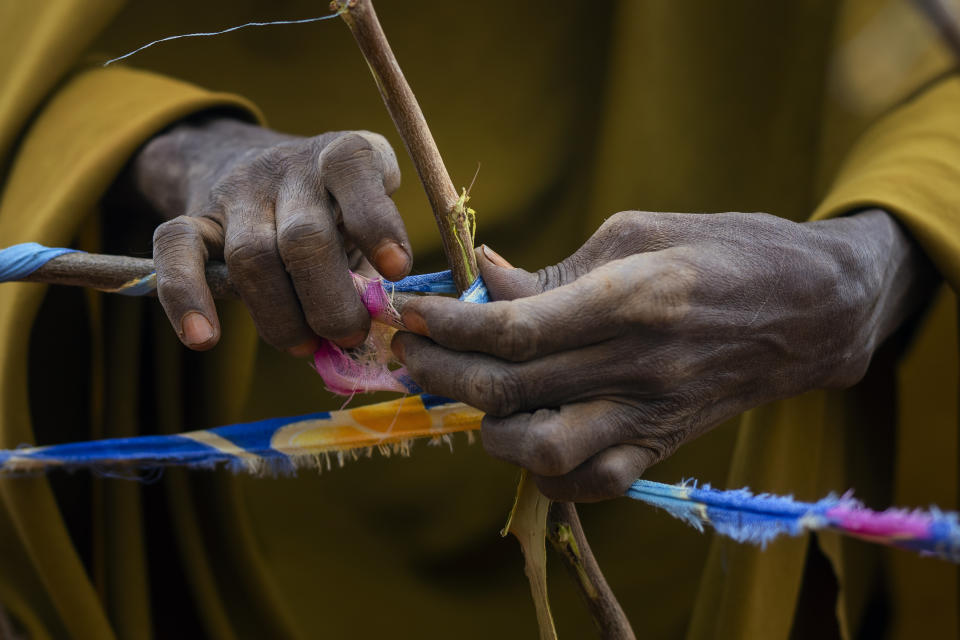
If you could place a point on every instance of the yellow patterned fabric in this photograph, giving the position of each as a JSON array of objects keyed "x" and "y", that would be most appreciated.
[{"x": 265, "y": 447}]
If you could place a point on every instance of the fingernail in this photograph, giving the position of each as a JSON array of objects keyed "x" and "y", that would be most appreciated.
[
  {"x": 351, "y": 341},
  {"x": 414, "y": 322},
  {"x": 495, "y": 257},
  {"x": 391, "y": 260},
  {"x": 196, "y": 329},
  {"x": 304, "y": 349},
  {"x": 397, "y": 347}
]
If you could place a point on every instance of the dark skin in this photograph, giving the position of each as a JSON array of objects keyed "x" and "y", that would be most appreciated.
[
  {"x": 658, "y": 329},
  {"x": 288, "y": 215}
]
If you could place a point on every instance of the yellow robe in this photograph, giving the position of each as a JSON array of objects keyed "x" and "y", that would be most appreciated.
[{"x": 575, "y": 112}]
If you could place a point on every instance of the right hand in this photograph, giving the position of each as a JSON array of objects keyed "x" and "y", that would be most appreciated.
[
  {"x": 659, "y": 328},
  {"x": 290, "y": 216}
]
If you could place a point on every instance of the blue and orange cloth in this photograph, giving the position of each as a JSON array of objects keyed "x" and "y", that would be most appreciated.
[
  {"x": 283, "y": 445},
  {"x": 272, "y": 446}
]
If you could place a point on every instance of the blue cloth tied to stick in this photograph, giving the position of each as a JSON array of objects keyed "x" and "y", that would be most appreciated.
[{"x": 20, "y": 260}]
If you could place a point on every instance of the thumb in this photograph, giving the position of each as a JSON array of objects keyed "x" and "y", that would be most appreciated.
[{"x": 503, "y": 280}]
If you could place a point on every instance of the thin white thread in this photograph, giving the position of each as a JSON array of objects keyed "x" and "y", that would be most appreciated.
[{"x": 217, "y": 33}]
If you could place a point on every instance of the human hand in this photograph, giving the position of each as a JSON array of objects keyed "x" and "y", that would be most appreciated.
[
  {"x": 659, "y": 328},
  {"x": 289, "y": 216}
]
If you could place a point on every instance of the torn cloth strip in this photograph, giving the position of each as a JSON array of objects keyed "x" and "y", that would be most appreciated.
[
  {"x": 20, "y": 260},
  {"x": 759, "y": 518},
  {"x": 371, "y": 366},
  {"x": 276, "y": 445}
]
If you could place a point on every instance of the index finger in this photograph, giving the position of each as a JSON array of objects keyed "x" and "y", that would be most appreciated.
[
  {"x": 577, "y": 314},
  {"x": 642, "y": 291}
]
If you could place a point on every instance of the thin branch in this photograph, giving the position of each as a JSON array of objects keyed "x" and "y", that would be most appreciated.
[
  {"x": 567, "y": 537},
  {"x": 109, "y": 273},
  {"x": 453, "y": 217}
]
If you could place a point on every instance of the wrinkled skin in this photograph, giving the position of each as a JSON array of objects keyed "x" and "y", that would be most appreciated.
[
  {"x": 659, "y": 328},
  {"x": 288, "y": 215}
]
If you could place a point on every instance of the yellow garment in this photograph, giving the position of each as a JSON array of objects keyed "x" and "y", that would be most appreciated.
[{"x": 575, "y": 112}]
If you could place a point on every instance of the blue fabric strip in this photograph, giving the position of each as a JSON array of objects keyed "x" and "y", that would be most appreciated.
[
  {"x": 20, "y": 260},
  {"x": 439, "y": 282},
  {"x": 477, "y": 292},
  {"x": 141, "y": 287},
  {"x": 736, "y": 513},
  {"x": 430, "y": 401},
  {"x": 143, "y": 451}
]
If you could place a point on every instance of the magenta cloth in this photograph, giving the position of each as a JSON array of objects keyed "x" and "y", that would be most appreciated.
[{"x": 371, "y": 366}]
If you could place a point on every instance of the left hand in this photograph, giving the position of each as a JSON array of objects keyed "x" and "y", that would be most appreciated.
[
  {"x": 290, "y": 216},
  {"x": 659, "y": 328}
]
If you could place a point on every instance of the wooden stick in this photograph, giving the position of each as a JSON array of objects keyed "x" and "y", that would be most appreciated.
[
  {"x": 567, "y": 537},
  {"x": 108, "y": 273},
  {"x": 450, "y": 210}
]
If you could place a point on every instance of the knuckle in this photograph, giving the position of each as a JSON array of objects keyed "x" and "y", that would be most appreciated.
[
  {"x": 623, "y": 219},
  {"x": 660, "y": 374},
  {"x": 660, "y": 299},
  {"x": 417, "y": 365},
  {"x": 632, "y": 231},
  {"x": 549, "y": 451},
  {"x": 378, "y": 141},
  {"x": 663, "y": 435},
  {"x": 177, "y": 250},
  {"x": 516, "y": 338},
  {"x": 496, "y": 439},
  {"x": 176, "y": 231},
  {"x": 301, "y": 236},
  {"x": 626, "y": 224},
  {"x": 664, "y": 443},
  {"x": 175, "y": 290},
  {"x": 614, "y": 475},
  {"x": 388, "y": 160},
  {"x": 254, "y": 250},
  {"x": 560, "y": 274},
  {"x": 496, "y": 390},
  {"x": 348, "y": 155},
  {"x": 489, "y": 435}
]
